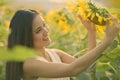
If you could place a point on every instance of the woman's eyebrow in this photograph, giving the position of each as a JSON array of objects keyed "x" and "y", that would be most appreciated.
[
  {"x": 35, "y": 29},
  {"x": 43, "y": 24}
]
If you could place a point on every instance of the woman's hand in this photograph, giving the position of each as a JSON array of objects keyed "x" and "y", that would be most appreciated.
[
  {"x": 112, "y": 30},
  {"x": 88, "y": 24},
  {"x": 91, "y": 32}
]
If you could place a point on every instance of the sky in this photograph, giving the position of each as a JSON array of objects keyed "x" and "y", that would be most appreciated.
[
  {"x": 46, "y": 4},
  {"x": 42, "y": 1}
]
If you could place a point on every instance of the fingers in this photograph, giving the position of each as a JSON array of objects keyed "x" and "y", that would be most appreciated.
[
  {"x": 116, "y": 24},
  {"x": 113, "y": 20},
  {"x": 112, "y": 26},
  {"x": 83, "y": 20},
  {"x": 80, "y": 18},
  {"x": 107, "y": 22}
]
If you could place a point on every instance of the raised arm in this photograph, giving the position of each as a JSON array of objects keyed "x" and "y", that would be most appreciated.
[
  {"x": 87, "y": 59},
  {"x": 43, "y": 68},
  {"x": 91, "y": 28}
]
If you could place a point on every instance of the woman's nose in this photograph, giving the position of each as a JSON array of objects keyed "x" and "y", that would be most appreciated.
[{"x": 45, "y": 33}]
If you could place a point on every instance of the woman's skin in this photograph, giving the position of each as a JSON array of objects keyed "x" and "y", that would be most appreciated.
[{"x": 43, "y": 66}]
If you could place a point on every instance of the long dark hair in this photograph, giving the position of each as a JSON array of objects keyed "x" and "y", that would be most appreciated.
[{"x": 21, "y": 34}]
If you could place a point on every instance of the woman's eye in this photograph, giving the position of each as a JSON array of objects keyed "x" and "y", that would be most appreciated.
[{"x": 38, "y": 31}]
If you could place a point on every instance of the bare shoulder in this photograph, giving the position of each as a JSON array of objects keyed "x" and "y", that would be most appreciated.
[
  {"x": 65, "y": 57},
  {"x": 35, "y": 59},
  {"x": 59, "y": 52},
  {"x": 28, "y": 62}
]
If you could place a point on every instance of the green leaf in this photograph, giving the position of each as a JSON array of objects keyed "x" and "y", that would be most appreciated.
[
  {"x": 102, "y": 66},
  {"x": 104, "y": 78},
  {"x": 111, "y": 56},
  {"x": 83, "y": 76},
  {"x": 114, "y": 44},
  {"x": 70, "y": 20},
  {"x": 3, "y": 33},
  {"x": 16, "y": 54}
]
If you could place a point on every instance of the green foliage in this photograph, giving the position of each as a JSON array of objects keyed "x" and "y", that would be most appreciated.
[
  {"x": 101, "y": 11},
  {"x": 75, "y": 43},
  {"x": 71, "y": 42},
  {"x": 110, "y": 61},
  {"x": 3, "y": 34},
  {"x": 2, "y": 74},
  {"x": 3, "y": 2},
  {"x": 16, "y": 54},
  {"x": 83, "y": 76},
  {"x": 107, "y": 67}
]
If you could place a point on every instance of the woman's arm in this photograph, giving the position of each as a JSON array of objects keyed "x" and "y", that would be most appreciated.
[
  {"x": 91, "y": 28},
  {"x": 44, "y": 68},
  {"x": 111, "y": 32},
  {"x": 65, "y": 57}
]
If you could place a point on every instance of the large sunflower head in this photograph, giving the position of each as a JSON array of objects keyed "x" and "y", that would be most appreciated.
[
  {"x": 98, "y": 15},
  {"x": 90, "y": 11}
]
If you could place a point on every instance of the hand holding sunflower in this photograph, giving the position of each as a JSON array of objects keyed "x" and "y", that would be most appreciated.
[{"x": 90, "y": 11}]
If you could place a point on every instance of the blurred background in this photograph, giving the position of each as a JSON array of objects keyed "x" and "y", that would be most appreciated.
[
  {"x": 67, "y": 33},
  {"x": 51, "y": 4}
]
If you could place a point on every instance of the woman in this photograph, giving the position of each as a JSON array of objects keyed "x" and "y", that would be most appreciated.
[{"x": 29, "y": 29}]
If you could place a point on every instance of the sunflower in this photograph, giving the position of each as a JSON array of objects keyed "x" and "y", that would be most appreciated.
[
  {"x": 90, "y": 11},
  {"x": 62, "y": 20}
]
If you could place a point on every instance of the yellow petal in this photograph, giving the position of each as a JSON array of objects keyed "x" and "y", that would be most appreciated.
[
  {"x": 89, "y": 14},
  {"x": 100, "y": 19},
  {"x": 97, "y": 14},
  {"x": 92, "y": 16}
]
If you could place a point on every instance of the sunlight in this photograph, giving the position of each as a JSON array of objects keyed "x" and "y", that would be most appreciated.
[{"x": 58, "y": 1}]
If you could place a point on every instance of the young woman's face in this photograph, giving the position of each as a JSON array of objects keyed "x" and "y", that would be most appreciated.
[{"x": 40, "y": 32}]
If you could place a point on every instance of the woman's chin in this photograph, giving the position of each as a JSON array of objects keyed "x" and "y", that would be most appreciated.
[{"x": 48, "y": 43}]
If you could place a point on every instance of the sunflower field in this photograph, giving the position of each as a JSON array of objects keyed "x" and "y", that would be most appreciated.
[{"x": 68, "y": 34}]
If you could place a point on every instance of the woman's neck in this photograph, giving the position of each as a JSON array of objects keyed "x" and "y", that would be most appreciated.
[{"x": 41, "y": 51}]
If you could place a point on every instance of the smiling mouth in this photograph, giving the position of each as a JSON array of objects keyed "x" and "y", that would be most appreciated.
[{"x": 46, "y": 39}]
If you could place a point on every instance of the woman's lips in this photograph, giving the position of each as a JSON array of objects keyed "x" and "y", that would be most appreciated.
[{"x": 45, "y": 39}]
